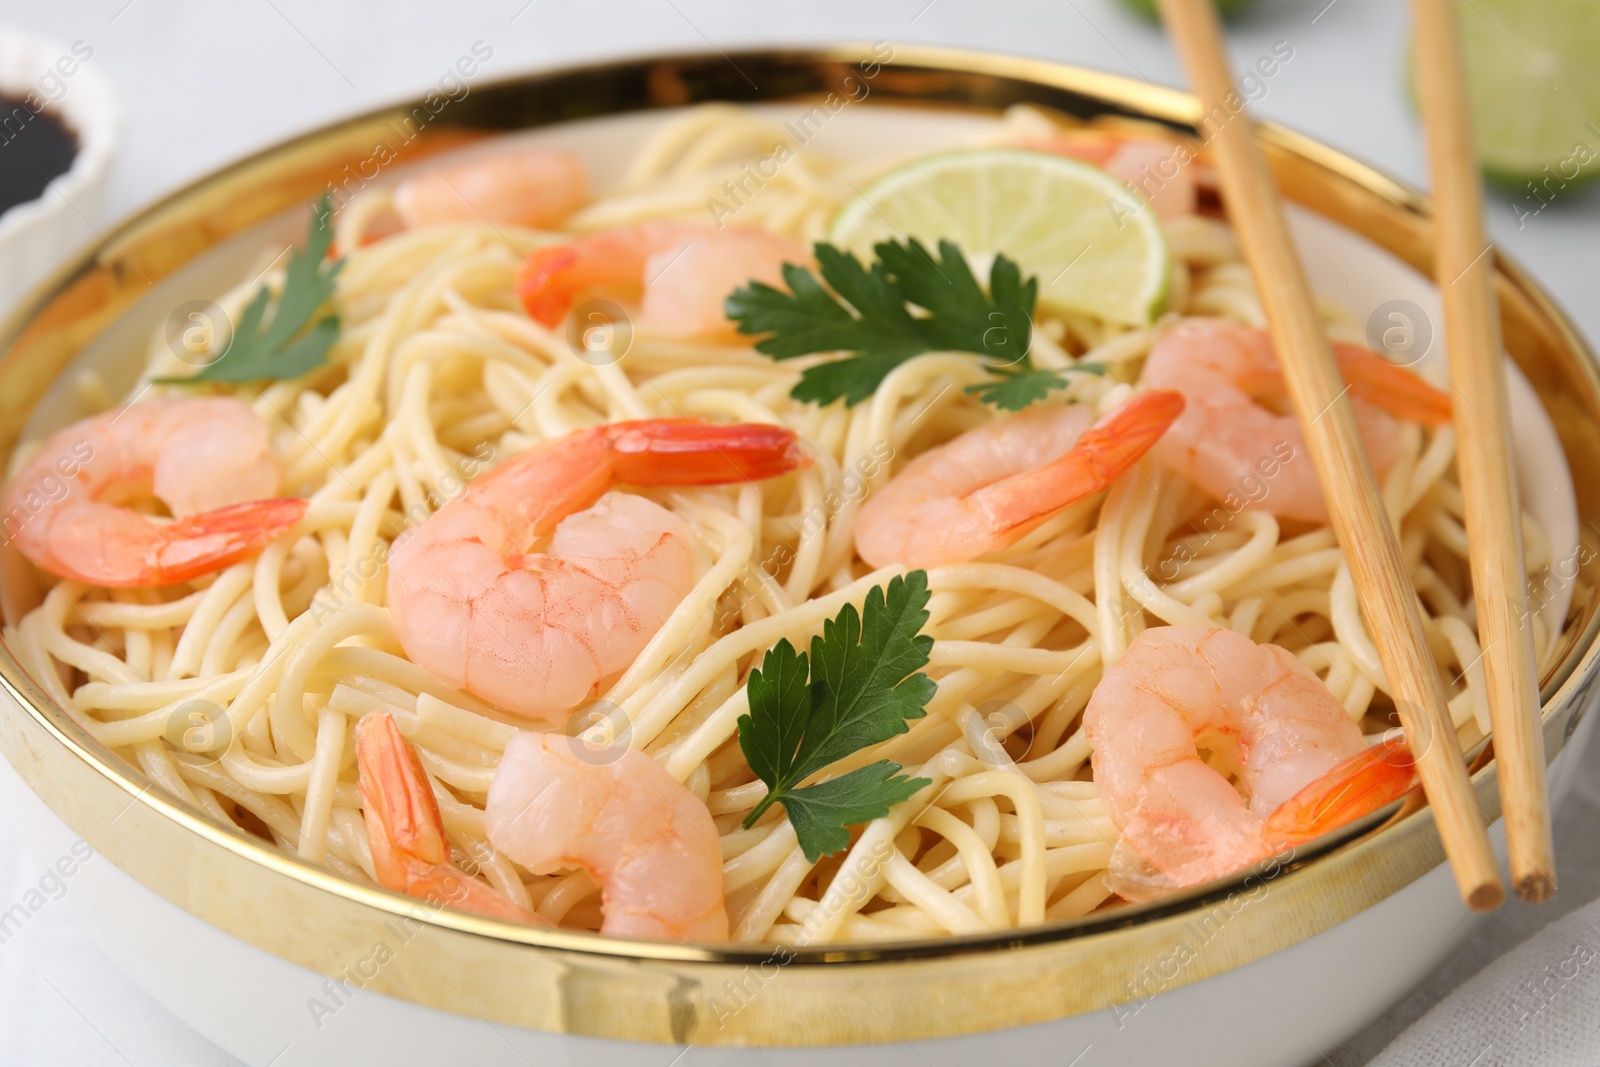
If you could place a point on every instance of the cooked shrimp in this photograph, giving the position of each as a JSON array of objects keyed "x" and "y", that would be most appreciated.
[
  {"x": 681, "y": 274},
  {"x": 1261, "y": 713},
  {"x": 206, "y": 458},
  {"x": 537, "y": 633},
  {"x": 988, "y": 487},
  {"x": 529, "y": 187},
  {"x": 1226, "y": 439},
  {"x": 409, "y": 852},
  {"x": 647, "y": 840},
  {"x": 1157, "y": 169}
]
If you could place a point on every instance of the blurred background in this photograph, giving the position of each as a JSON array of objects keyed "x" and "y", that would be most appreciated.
[{"x": 200, "y": 84}]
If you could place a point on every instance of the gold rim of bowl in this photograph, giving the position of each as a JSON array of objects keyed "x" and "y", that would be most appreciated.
[{"x": 579, "y": 983}]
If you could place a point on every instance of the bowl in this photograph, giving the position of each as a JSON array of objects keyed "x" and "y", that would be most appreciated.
[
  {"x": 283, "y": 962},
  {"x": 47, "y": 75}
]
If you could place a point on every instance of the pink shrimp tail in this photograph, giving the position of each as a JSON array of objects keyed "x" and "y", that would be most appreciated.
[
  {"x": 1096, "y": 148},
  {"x": 402, "y": 820},
  {"x": 557, "y": 478},
  {"x": 1117, "y": 441},
  {"x": 539, "y": 284},
  {"x": 1391, "y": 388},
  {"x": 1360, "y": 785},
  {"x": 405, "y": 831},
  {"x": 1103, "y": 454},
  {"x": 691, "y": 452},
  {"x": 208, "y": 541}
]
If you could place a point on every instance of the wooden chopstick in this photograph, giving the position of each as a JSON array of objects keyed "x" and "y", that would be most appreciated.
[
  {"x": 1464, "y": 269},
  {"x": 1360, "y": 520}
]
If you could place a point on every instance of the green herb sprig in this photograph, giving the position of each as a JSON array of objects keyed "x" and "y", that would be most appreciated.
[
  {"x": 290, "y": 344},
  {"x": 872, "y": 317},
  {"x": 861, "y": 685}
]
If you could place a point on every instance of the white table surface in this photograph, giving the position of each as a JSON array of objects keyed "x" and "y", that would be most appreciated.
[{"x": 202, "y": 83}]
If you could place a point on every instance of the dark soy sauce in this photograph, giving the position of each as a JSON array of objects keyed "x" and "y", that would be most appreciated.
[{"x": 35, "y": 146}]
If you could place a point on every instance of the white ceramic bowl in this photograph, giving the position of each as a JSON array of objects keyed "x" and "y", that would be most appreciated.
[
  {"x": 37, "y": 235},
  {"x": 264, "y": 955},
  {"x": 1294, "y": 1006}
]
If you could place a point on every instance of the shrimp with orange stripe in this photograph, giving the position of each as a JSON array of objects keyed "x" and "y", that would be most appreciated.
[
  {"x": 1301, "y": 765},
  {"x": 987, "y": 488},
  {"x": 1226, "y": 372},
  {"x": 539, "y": 632},
  {"x": 70, "y": 510}
]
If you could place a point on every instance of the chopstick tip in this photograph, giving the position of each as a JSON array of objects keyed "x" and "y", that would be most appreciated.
[
  {"x": 1486, "y": 896},
  {"x": 1536, "y": 888}
]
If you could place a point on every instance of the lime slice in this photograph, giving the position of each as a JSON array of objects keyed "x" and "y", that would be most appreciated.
[
  {"x": 1095, "y": 245},
  {"x": 1535, "y": 89}
]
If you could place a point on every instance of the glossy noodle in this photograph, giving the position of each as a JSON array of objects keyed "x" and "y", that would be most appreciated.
[{"x": 240, "y": 691}]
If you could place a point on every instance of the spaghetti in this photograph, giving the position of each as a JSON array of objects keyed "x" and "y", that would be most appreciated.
[{"x": 266, "y": 666}]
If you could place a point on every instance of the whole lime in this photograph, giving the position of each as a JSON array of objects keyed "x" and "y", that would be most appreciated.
[{"x": 1534, "y": 89}]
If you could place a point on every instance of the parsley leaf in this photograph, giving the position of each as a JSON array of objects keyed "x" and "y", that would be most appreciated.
[
  {"x": 286, "y": 348},
  {"x": 860, "y": 685},
  {"x": 809, "y": 319},
  {"x": 871, "y": 318},
  {"x": 1013, "y": 390},
  {"x": 961, "y": 318},
  {"x": 820, "y": 813}
]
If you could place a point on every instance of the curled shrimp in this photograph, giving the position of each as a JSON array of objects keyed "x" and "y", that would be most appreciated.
[
  {"x": 679, "y": 273},
  {"x": 405, "y": 833},
  {"x": 1300, "y": 760},
  {"x": 207, "y": 459},
  {"x": 985, "y": 489},
  {"x": 535, "y": 187},
  {"x": 1226, "y": 438},
  {"x": 647, "y": 840},
  {"x": 537, "y": 633},
  {"x": 1158, "y": 169}
]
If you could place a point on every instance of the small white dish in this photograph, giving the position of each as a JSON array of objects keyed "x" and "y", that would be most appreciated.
[{"x": 47, "y": 75}]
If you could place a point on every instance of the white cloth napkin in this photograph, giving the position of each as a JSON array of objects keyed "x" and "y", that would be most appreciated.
[{"x": 1537, "y": 1004}]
